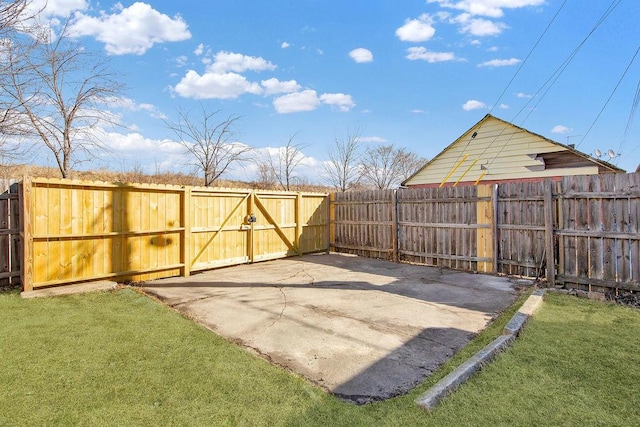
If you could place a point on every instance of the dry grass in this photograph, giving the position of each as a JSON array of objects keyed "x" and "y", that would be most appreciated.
[{"x": 136, "y": 175}]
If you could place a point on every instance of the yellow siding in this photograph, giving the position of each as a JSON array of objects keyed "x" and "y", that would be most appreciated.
[{"x": 503, "y": 150}]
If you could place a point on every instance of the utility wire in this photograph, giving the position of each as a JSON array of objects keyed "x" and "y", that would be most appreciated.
[
  {"x": 528, "y": 56},
  {"x": 506, "y": 88},
  {"x": 632, "y": 113},
  {"x": 610, "y": 96},
  {"x": 556, "y": 74}
]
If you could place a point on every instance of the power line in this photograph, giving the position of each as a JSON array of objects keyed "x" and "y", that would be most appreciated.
[
  {"x": 632, "y": 113},
  {"x": 610, "y": 96},
  {"x": 528, "y": 55},
  {"x": 558, "y": 72}
]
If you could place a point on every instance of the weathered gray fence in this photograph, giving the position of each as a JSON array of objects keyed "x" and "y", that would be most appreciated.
[
  {"x": 579, "y": 231},
  {"x": 9, "y": 234}
]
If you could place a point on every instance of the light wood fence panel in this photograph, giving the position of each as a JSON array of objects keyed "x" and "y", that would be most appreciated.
[
  {"x": 80, "y": 231},
  {"x": 219, "y": 233},
  {"x": 88, "y": 230}
]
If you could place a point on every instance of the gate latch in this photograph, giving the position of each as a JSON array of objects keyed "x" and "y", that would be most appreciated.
[{"x": 251, "y": 218}]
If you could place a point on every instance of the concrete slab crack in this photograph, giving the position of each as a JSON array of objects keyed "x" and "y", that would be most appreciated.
[
  {"x": 174, "y": 305},
  {"x": 284, "y": 307}
]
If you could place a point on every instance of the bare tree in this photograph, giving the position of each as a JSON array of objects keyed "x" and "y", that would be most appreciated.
[
  {"x": 266, "y": 175},
  {"x": 11, "y": 12},
  {"x": 342, "y": 168},
  {"x": 386, "y": 166},
  {"x": 285, "y": 163},
  {"x": 210, "y": 142},
  {"x": 12, "y": 16},
  {"x": 57, "y": 91},
  {"x": 410, "y": 163}
]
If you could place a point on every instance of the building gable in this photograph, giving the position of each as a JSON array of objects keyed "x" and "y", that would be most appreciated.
[{"x": 496, "y": 150}]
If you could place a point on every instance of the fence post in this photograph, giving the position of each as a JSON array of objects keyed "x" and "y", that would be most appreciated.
[
  {"x": 251, "y": 205},
  {"x": 394, "y": 226},
  {"x": 495, "y": 236},
  {"x": 298, "y": 211},
  {"x": 26, "y": 234},
  {"x": 331, "y": 226},
  {"x": 186, "y": 233},
  {"x": 548, "y": 233},
  {"x": 484, "y": 233}
]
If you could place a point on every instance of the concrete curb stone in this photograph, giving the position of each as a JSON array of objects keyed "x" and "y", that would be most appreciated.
[{"x": 462, "y": 373}]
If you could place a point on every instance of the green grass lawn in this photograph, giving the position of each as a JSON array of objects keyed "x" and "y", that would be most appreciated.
[{"x": 120, "y": 358}]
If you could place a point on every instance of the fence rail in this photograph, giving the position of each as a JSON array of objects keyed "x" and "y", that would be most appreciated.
[
  {"x": 83, "y": 230},
  {"x": 580, "y": 231}
]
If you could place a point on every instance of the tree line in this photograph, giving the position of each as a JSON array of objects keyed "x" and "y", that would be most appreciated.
[{"x": 55, "y": 93}]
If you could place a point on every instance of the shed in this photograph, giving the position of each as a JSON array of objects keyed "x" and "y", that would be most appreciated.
[{"x": 494, "y": 150}]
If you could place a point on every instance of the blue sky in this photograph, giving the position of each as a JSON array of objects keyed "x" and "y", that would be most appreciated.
[{"x": 413, "y": 73}]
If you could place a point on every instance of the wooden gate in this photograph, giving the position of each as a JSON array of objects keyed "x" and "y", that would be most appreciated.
[
  {"x": 229, "y": 227},
  {"x": 79, "y": 230}
]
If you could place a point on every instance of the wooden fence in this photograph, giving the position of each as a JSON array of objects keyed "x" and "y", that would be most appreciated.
[
  {"x": 9, "y": 234},
  {"x": 578, "y": 232},
  {"x": 78, "y": 231}
]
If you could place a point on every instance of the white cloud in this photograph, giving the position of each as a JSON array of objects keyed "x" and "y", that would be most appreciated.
[
  {"x": 307, "y": 100},
  {"x": 274, "y": 86},
  {"x": 480, "y": 27},
  {"x": 199, "y": 50},
  {"x": 417, "y": 30},
  {"x": 182, "y": 60},
  {"x": 523, "y": 95},
  {"x": 376, "y": 139},
  {"x": 51, "y": 8},
  {"x": 500, "y": 62},
  {"x": 237, "y": 62},
  {"x": 503, "y": 106},
  {"x": 285, "y": 45},
  {"x": 560, "y": 129},
  {"x": 361, "y": 55},
  {"x": 133, "y": 30},
  {"x": 342, "y": 101},
  {"x": 418, "y": 111},
  {"x": 421, "y": 53},
  {"x": 490, "y": 8},
  {"x": 472, "y": 104},
  {"x": 130, "y": 105},
  {"x": 137, "y": 143},
  {"x": 215, "y": 86}
]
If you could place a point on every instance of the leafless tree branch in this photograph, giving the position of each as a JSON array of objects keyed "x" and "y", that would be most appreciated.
[
  {"x": 56, "y": 91},
  {"x": 342, "y": 168},
  {"x": 286, "y": 162},
  {"x": 209, "y": 142},
  {"x": 386, "y": 166}
]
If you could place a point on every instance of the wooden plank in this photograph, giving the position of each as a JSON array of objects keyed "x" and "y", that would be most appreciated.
[
  {"x": 185, "y": 235},
  {"x": 484, "y": 239},
  {"x": 25, "y": 234},
  {"x": 548, "y": 225},
  {"x": 634, "y": 229}
]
